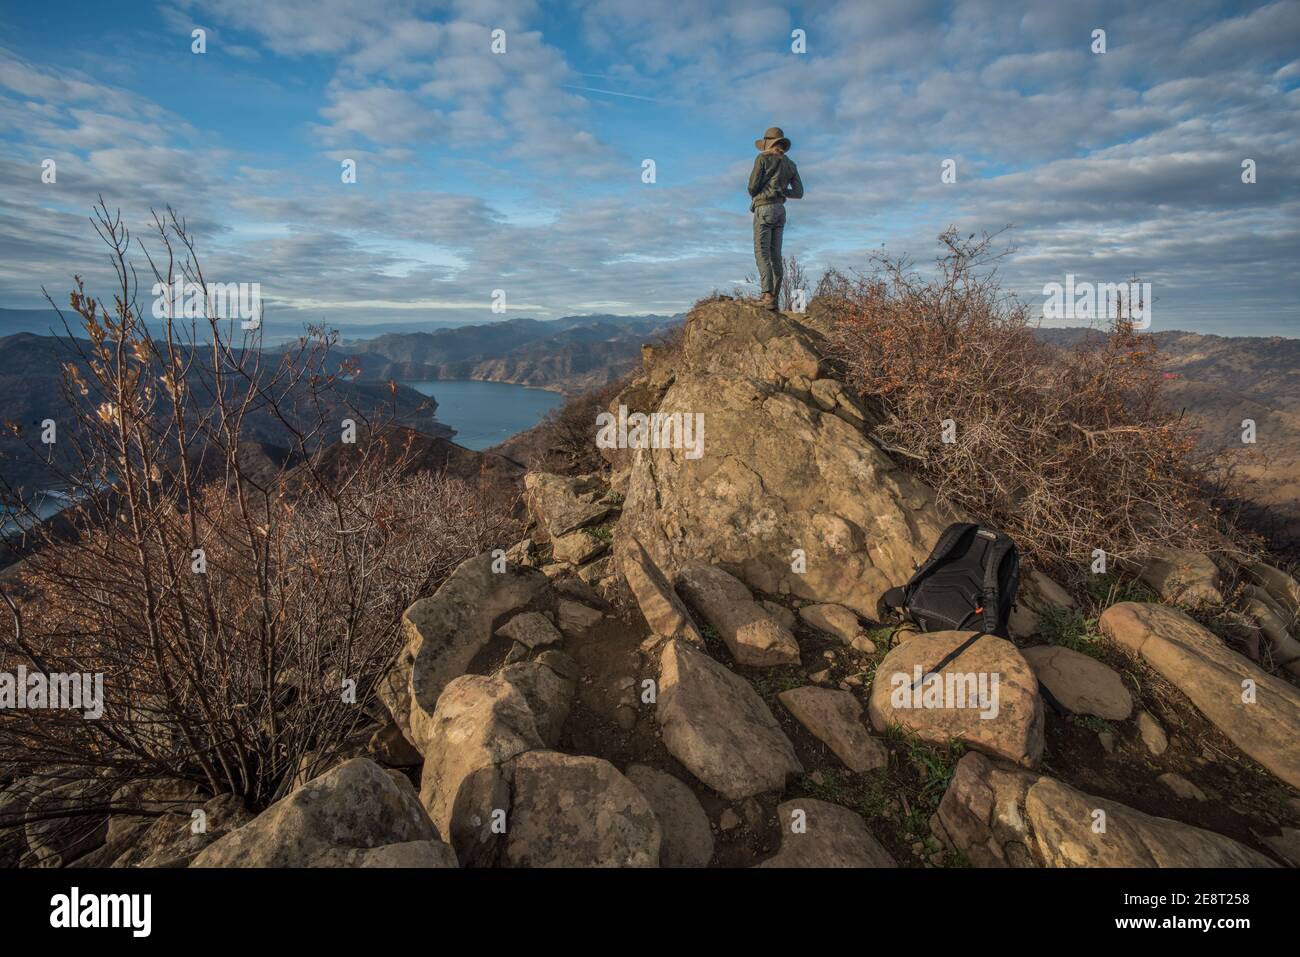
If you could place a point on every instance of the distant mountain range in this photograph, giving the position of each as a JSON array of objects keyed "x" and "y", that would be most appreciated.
[{"x": 568, "y": 355}]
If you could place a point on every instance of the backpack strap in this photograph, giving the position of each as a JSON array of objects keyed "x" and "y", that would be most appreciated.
[
  {"x": 950, "y": 657},
  {"x": 997, "y": 553}
]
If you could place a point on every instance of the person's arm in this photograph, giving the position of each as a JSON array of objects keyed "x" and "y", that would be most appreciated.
[
  {"x": 756, "y": 176},
  {"x": 795, "y": 189}
]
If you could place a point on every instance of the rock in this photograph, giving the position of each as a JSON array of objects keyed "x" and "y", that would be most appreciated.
[
  {"x": 687, "y": 837},
  {"x": 480, "y": 726},
  {"x": 575, "y": 619},
  {"x": 532, "y": 629},
  {"x": 444, "y": 632},
  {"x": 1007, "y": 721},
  {"x": 548, "y": 687},
  {"x": 157, "y": 794},
  {"x": 835, "y": 718},
  {"x": 1286, "y": 845},
  {"x": 663, "y": 610},
  {"x": 863, "y": 644},
  {"x": 578, "y": 812},
  {"x": 176, "y": 838},
  {"x": 409, "y": 854},
  {"x": 1152, "y": 735},
  {"x": 998, "y": 815},
  {"x": 577, "y": 547},
  {"x": 1215, "y": 679},
  {"x": 752, "y": 635},
  {"x": 780, "y": 473},
  {"x": 1281, "y": 587},
  {"x": 389, "y": 746},
  {"x": 728, "y": 820},
  {"x": 1082, "y": 684},
  {"x": 332, "y": 821},
  {"x": 784, "y": 616},
  {"x": 561, "y": 504},
  {"x": 1037, "y": 594},
  {"x": 717, "y": 726},
  {"x": 1182, "y": 577},
  {"x": 596, "y": 571},
  {"x": 1271, "y": 620},
  {"x": 1107, "y": 741},
  {"x": 832, "y": 619},
  {"x": 817, "y": 834},
  {"x": 56, "y": 841},
  {"x": 1181, "y": 787}
]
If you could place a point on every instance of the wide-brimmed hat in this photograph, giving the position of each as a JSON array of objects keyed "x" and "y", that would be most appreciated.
[{"x": 774, "y": 136}]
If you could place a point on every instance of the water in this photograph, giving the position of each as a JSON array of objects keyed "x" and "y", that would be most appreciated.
[{"x": 487, "y": 413}]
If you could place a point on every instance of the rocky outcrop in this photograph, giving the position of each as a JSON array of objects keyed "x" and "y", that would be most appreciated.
[
  {"x": 752, "y": 635},
  {"x": 1259, "y": 713},
  {"x": 835, "y": 719},
  {"x": 562, "y": 505},
  {"x": 444, "y": 632},
  {"x": 578, "y": 812},
  {"x": 351, "y": 816},
  {"x": 817, "y": 834},
  {"x": 1082, "y": 684},
  {"x": 997, "y": 815},
  {"x": 788, "y": 494},
  {"x": 717, "y": 726},
  {"x": 986, "y": 697},
  {"x": 176, "y": 838}
]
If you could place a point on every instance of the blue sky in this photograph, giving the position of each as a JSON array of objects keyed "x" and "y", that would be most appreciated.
[{"x": 522, "y": 171}]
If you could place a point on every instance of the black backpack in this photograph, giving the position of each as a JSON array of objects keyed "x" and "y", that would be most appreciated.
[{"x": 969, "y": 581}]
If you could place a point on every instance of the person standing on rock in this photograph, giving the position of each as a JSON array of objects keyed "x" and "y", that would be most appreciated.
[{"x": 773, "y": 180}]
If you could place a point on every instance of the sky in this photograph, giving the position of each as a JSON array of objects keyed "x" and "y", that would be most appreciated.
[{"x": 524, "y": 170}]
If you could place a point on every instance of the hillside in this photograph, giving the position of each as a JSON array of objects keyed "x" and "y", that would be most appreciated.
[
  {"x": 30, "y": 392},
  {"x": 567, "y": 355},
  {"x": 648, "y": 674}
]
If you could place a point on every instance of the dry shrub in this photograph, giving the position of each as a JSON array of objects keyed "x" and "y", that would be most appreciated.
[
  {"x": 568, "y": 433},
  {"x": 1068, "y": 451},
  {"x": 241, "y": 613}
]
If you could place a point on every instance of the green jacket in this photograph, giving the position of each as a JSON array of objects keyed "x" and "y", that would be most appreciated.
[{"x": 774, "y": 179}]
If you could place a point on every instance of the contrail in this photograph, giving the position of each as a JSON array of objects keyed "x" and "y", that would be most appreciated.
[{"x": 592, "y": 89}]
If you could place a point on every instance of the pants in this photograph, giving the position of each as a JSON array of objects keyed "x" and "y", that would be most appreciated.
[{"x": 769, "y": 225}]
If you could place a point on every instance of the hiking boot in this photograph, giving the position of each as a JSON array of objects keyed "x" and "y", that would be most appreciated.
[{"x": 768, "y": 301}]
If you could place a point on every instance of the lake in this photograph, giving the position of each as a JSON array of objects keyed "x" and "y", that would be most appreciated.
[{"x": 487, "y": 413}]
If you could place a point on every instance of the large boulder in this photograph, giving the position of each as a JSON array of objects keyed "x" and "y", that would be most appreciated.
[
  {"x": 481, "y": 725},
  {"x": 832, "y": 619},
  {"x": 987, "y": 697},
  {"x": 998, "y": 815},
  {"x": 444, "y": 632},
  {"x": 717, "y": 726},
  {"x": 1082, "y": 684},
  {"x": 687, "y": 836},
  {"x": 817, "y": 834},
  {"x": 835, "y": 719},
  {"x": 789, "y": 496},
  {"x": 1259, "y": 713},
  {"x": 572, "y": 811},
  {"x": 347, "y": 817},
  {"x": 55, "y": 839},
  {"x": 752, "y": 635}
]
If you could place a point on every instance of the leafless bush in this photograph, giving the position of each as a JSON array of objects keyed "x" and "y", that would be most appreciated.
[
  {"x": 569, "y": 432},
  {"x": 240, "y": 619},
  {"x": 1069, "y": 451},
  {"x": 794, "y": 280}
]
